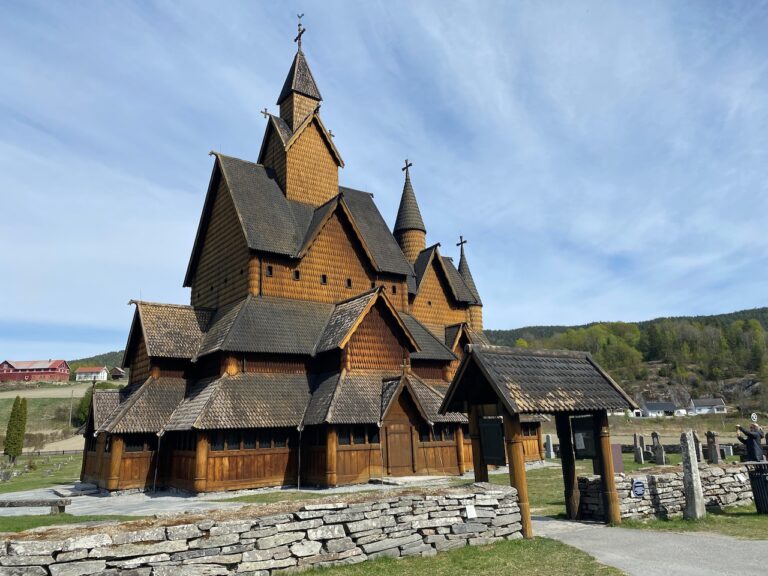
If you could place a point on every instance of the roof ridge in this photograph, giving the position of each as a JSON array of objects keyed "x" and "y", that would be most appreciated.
[{"x": 552, "y": 352}]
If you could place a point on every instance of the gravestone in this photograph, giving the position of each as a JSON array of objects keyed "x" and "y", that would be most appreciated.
[
  {"x": 726, "y": 450},
  {"x": 641, "y": 440},
  {"x": 713, "y": 447},
  {"x": 549, "y": 447},
  {"x": 639, "y": 459},
  {"x": 694, "y": 496},
  {"x": 659, "y": 454},
  {"x": 699, "y": 450}
]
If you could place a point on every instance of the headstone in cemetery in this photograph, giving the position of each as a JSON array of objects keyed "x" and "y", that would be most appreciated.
[
  {"x": 694, "y": 496},
  {"x": 639, "y": 458},
  {"x": 699, "y": 450},
  {"x": 641, "y": 440},
  {"x": 659, "y": 455},
  {"x": 713, "y": 447},
  {"x": 549, "y": 447},
  {"x": 7, "y": 475},
  {"x": 726, "y": 451}
]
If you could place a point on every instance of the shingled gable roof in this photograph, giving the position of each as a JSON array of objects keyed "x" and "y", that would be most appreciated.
[
  {"x": 169, "y": 330},
  {"x": 453, "y": 334},
  {"x": 299, "y": 80},
  {"x": 408, "y": 213},
  {"x": 459, "y": 290},
  {"x": 103, "y": 405},
  {"x": 347, "y": 316},
  {"x": 430, "y": 347},
  {"x": 271, "y": 223},
  {"x": 267, "y": 325},
  {"x": 536, "y": 381},
  {"x": 246, "y": 400},
  {"x": 147, "y": 407}
]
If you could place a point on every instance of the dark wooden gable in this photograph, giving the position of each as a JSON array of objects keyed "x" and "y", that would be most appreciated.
[{"x": 379, "y": 342}]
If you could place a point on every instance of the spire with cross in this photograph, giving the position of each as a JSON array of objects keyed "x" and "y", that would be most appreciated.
[
  {"x": 265, "y": 112},
  {"x": 406, "y": 167},
  {"x": 301, "y": 31},
  {"x": 461, "y": 243}
]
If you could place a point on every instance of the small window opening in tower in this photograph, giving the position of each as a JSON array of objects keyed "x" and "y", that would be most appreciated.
[
  {"x": 270, "y": 271},
  {"x": 394, "y": 289},
  {"x": 324, "y": 279},
  {"x": 296, "y": 274},
  {"x": 349, "y": 282},
  {"x": 429, "y": 302}
]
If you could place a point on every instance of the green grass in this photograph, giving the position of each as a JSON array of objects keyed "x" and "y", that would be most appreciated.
[
  {"x": 738, "y": 521},
  {"x": 276, "y": 496},
  {"x": 20, "y": 523},
  {"x": 42, "y": 413},
  {"x": 35, "y": 479},
  {"x": 524, "y": 557}
]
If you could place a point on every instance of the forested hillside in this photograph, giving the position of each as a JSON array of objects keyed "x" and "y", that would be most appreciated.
[
  {"x": 670, "y": 358},
  {"x": 108, "y": 359}
]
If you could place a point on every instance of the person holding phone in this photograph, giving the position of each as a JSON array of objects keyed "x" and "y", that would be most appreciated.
[{"x": 753, "y": 441}]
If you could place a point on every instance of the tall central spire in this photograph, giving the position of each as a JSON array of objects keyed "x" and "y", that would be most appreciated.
[{"x": 300, "y": 95}]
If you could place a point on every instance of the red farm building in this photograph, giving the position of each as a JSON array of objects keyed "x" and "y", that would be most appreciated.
[{"x": 34, "y": 371}]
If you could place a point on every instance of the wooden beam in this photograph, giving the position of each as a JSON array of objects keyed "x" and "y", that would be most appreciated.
[
  {"x": 331, "y": 449},
  {"x": 115, "y": 459},
  {"x": 568, "y": 460},
  {"x": 478, "y": 461},
  {"x": 610, "y": 496},
  {"x": 200, "y": 482},
  {"x": 513, "y": 434},
  {"x": 460, "y": 450},
  {"x": 540, "y": 440}
]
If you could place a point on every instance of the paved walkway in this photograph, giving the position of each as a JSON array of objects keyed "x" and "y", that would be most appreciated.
[{"x": 650, "y": 553}]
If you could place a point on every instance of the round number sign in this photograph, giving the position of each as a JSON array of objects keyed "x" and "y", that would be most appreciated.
[{"x": 638, "y": 488}]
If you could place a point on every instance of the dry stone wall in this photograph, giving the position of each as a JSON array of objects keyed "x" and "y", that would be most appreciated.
[
  {"x": 323, "y": 534},
  {"x": 663, "y": 493}
]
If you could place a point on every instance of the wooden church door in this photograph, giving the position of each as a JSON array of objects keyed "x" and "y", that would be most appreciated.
[{"x": 400, "y": 425}]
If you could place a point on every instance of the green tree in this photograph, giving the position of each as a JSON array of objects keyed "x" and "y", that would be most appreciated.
[
  {"x": 521, "y": 343},
  {"x": 13, "y": 442},
  {"x": 22, "y": 423}
]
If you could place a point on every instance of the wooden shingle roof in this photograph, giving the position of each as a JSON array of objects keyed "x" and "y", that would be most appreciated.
[
  {"x": 408, "y": 213},
  {"x": 169, "y": 330},
  {"x": 147, "y": 407},
  {"x": 466, "y": 275},
  {"x": 459, "y": 290},
  {"x": 104, "y": 403},
  {"x": 536, "y": 381},
  {"x": 299, "y": 80},
  {"x": 430, "y": 347}
]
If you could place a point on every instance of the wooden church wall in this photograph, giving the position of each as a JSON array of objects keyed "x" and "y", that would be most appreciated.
[
  {"x": 375, "y": 345},
  {"x": 222, "y": 275},
  {"x": 336, "y": 253},
  {"x": 312, "y": 175},
  {"x": 139, "y": 364},
  {"x": 296, "y": 108},
  {"x": 434, "y": 305},
  {"x": 274, "y": 157}
]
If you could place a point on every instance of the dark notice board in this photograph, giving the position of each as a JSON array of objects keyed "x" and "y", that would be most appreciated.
[
  {"x": 583, "y": 437},
  {"x": 492, "y": 441}
]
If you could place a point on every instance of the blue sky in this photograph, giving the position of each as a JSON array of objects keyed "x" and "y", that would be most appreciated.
[{"x": 606, "y": 161}]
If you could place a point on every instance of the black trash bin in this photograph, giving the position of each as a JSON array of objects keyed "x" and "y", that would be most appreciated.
[{"x": 758, "y": 478}]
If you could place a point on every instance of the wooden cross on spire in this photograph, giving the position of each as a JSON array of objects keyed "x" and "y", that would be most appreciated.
[
  {"x": 461, "y": 243},
  {"x": 407, "y": 166},
  {"x": 265, "y": 112},
  {"x": 301, "y": 31}
]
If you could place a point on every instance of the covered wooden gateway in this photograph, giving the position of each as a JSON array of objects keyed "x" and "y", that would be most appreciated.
[{"x": 514, "y": 382}]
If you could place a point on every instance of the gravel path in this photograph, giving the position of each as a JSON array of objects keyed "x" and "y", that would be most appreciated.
[{"x": 650, "y": 553}]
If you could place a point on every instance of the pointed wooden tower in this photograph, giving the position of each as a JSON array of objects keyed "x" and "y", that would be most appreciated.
[
  {"x": 475, "y": 310},
  {"x": 409, "y": 231}
]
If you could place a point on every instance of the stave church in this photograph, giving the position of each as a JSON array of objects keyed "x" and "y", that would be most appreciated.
[{"x": 317, "y": 346}]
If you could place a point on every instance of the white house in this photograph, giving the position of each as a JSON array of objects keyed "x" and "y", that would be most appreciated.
[
  {"x": 700, "y": 406},
  {"x": 658, "y": 409},
  {"x": 91, "y": 374}
]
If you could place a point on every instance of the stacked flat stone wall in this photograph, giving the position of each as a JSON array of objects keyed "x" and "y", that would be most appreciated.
[
  {"x": 323, "y": 534},
  {"x": 664, "y": 497}
]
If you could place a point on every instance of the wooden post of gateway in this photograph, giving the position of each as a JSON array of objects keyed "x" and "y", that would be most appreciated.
[
  {"x": 201, "y": 463},
  {"x": 460, "y": 450},
  {"x": 331, "y": 448},
  {"x": 568, "y": 460},
  {"x": 610, "y": 496},
  {"x": 115, "y": 459},
  {"x": 513, "y": 434},
  {"x": 478, "y": 460}
]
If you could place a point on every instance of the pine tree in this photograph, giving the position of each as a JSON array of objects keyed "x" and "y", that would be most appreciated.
[
  {"x": 12, "y": 445},
  {"x": 22, "y": 424}
]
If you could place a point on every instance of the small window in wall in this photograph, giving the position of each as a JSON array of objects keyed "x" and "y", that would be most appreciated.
[
  {"x": 270, "y": 271},
  {"x": 465, "y": 431},
  {"x": 217, "y": 442},
  {"x": 358, "y": 435},
  {"x": 373, "y": 285},
  {"x": 344, "y": 436},
  {"x": 249, "y": 439},
  {"x": 233, "y": 440},
  {"x": 424, "y": 433},
  {"x": 296, "y": 275},
  {"x": 323, "y": 279},
  {"x": 373, "y": 434},
  {"x": 429, "y": 302},
  {"x": 134, "y": 444},
  {"x": 394, "y": 289},
  {"x": 281, "y": 440},
  {"x": 349, "y": 282},
  {"x": 265, "y": 439}
]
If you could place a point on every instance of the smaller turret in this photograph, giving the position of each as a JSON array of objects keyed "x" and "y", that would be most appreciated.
[
  {"x": 475, "y": 310},
  {"x": 409, "y": 230}
]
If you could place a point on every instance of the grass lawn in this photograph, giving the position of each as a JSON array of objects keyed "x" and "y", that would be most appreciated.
[
  {"x": 738, "y": 521},
  {"x": 35, "y": 479},
  {"x": 20, "y": 523},
  {"x": 42, "y": 413},
  {"x": 537, "y": 556}
]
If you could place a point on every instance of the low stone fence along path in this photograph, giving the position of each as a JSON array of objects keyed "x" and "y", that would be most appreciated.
[
  {"x": 663, "y": 494},
  {"x": 323, "y": 534}
]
